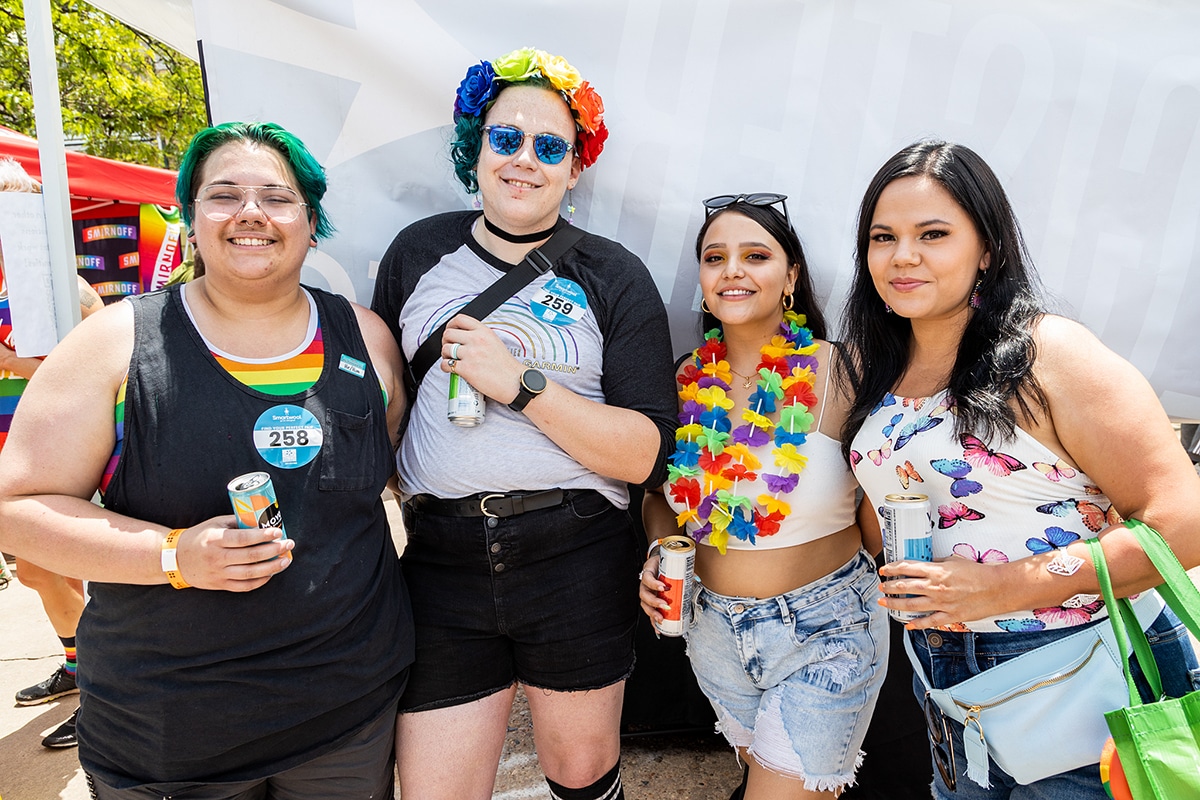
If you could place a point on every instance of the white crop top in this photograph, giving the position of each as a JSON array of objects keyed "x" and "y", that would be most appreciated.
[{"x": 822, "y": 503}]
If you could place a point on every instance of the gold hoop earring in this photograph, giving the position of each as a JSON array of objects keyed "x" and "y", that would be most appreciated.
[
  {"x": 704, "y": 306},
  {"x": 789, "y": 300}
]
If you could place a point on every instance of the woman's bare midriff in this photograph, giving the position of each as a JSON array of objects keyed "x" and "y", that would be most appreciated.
[{"x": 767, "y": 573}]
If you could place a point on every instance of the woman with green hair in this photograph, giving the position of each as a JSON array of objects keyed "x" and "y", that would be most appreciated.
[
  {"x": 225, "y": 661},
  {"x": 521, "y": 552}
]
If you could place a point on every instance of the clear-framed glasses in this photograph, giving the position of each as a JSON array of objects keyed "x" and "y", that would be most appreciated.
[
  {"x": 943, "y": 745},
  {"x": 714, "y": 204},
  {"x": 506, "y": 140},
  {"x": 219, "y": 202}
]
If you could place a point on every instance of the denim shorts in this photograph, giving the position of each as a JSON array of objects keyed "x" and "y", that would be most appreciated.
[
  {"x": 950, "y": 658},
  {"x": 546, "y": 598},
  {"x": 794, "y": 678}
]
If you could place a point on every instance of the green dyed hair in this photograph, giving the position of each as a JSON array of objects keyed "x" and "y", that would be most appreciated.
[{"x": 309, "y": 175}]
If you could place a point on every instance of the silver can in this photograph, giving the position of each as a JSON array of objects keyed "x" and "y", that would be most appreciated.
[
  {"x": 465, "y": 405},
  {"x": 907, "y": 536},
  {"x": 676, "y": 566}
]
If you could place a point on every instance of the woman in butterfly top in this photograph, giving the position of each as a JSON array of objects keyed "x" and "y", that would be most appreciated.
[
  {"x": 974, "y": 396},
  {"x": 787, "y": 640},
  {"x": 521, "y": 550}
]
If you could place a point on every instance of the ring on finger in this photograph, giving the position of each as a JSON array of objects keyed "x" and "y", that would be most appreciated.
[
  {"x": 452, "y": 363},
  {"x": 454, "y": 350}
]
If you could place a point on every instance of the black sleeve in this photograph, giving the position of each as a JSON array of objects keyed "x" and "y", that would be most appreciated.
[
  {"x": 638, "y": 364},
  {"x": 415, "y": 250}
]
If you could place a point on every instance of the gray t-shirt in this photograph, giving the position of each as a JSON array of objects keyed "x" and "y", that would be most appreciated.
[{"x": 595, "y": 324}]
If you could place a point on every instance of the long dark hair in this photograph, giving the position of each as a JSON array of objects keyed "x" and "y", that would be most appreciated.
[
  {"x": 995, "y": 357},
  {"x": 803, "y": 295}
]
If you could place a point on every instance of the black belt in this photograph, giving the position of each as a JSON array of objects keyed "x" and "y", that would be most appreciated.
[{"x": 493, "y": 504}]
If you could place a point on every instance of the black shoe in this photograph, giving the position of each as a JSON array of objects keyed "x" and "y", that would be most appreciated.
[
  {"x": 63, "y": 735},
  {"x": 57, "y": 685}
]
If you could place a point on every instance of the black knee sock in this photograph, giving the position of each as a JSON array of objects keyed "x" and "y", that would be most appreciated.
[{"x": 607, "y": 787}]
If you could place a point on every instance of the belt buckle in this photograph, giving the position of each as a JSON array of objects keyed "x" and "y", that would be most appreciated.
[{"x": 483, "y": 505}]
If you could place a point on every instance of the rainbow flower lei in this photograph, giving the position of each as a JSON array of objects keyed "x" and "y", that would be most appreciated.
[
  {"x": 485, "y": 80},
  {"x": 710, "y": 458}
]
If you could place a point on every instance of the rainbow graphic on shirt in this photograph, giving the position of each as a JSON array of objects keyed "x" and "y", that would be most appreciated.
[{"x": 282, "y": 378}]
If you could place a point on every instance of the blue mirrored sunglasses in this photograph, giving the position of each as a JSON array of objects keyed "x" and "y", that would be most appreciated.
[
  {"x": 506, "y": 140},
  {"x": 714, "y": 204}
]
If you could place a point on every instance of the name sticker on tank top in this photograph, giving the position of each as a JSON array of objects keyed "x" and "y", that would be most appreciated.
[
  {"x": 560, "y": 302},
  {"x": 288, "y": 436},
  {"x": 352, "y": 365}
]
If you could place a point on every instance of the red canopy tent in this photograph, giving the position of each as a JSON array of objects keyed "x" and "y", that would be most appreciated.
[
  {"x": 93, "y": 181},
  {"x": 127, "y": 234}
]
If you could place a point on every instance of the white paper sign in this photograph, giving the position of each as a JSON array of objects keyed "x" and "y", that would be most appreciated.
[{"x": 27, "y": 272}]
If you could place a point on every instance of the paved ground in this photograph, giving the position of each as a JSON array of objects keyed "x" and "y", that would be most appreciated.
[{"x": 655, "y": 768}]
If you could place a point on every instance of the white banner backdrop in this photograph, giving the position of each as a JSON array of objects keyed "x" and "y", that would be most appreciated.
[{"x": 1088, "y": 111}]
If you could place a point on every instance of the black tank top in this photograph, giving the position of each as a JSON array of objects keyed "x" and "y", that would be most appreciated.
[{"x": 219, "y": 686}]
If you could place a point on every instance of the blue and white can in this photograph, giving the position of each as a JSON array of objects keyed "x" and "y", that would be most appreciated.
[{"x": 907, "y": 536}]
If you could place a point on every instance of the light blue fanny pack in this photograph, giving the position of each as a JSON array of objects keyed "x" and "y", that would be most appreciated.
[{"x": 1042, "y": 712}]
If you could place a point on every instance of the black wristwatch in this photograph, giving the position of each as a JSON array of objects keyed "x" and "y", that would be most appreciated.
[{"x": 533, "y": 383}]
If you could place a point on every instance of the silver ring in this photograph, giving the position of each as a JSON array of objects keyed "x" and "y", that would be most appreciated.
[
  {"x": 452, "y": 363},
  {"x": 454, "y": 350}
]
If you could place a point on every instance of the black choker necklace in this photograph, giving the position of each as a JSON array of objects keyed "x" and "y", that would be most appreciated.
[{"x": 520, "y": 238}]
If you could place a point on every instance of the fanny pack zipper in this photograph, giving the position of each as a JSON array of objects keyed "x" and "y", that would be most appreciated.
[{"x": 975, "y": 709}]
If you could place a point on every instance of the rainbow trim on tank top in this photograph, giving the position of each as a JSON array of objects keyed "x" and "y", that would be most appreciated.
[{"x": 281, "y": 378}]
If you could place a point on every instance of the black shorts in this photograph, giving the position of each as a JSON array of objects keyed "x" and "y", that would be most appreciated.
[{"x": 546, "y": 598}]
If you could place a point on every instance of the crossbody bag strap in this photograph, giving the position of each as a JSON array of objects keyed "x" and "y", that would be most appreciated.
[{"x": 537, "y": 262}]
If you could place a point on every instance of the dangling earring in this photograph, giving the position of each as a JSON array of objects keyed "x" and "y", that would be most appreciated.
[
  {"x": 704, "y": 306},
  {"x": 788, "y": 301},
  {"x": 476, "y": 203},
  {"x": 975, "y": 300},
  {"x": 570, "y": 209},
  {"x": 887, "y": 309}
]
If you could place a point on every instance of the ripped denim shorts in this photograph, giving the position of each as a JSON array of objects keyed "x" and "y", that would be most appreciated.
[{"x": 794, "y": 678}]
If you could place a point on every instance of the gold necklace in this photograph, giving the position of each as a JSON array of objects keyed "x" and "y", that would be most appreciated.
[{"x": 747, "y": 380}]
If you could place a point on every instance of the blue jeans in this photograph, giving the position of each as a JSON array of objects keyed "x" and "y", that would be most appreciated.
[{"x": 950, "y": 658}]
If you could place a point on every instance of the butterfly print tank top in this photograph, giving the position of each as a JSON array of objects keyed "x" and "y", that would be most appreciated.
[{"x": 991, "y": 501}]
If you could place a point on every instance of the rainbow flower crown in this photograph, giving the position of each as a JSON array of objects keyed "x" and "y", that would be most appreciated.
[{"x": 486, "y": 79}]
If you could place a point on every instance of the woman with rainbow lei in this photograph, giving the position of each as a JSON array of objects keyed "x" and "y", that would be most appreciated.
[
  {"x": 521, "y": 550},
  {"x": 786, "y": 639}
]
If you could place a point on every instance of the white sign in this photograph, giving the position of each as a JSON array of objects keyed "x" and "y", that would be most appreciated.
[
  {"x": 1089, "y": 112},
  {"x": 27, "y": 272}
]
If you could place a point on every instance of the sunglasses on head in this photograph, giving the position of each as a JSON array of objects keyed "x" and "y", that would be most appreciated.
[
  {"x": 506, "y": 140},
  {"x": 715, "y": 204},
  {"x": 943, "y": 745}
]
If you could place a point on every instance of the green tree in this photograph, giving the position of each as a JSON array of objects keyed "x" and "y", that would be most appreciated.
[{"x": 127, "y": 96}]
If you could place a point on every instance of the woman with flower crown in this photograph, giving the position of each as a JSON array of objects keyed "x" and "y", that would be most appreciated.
[
  {"x": 786, "y": 639},
  {"x": 521, "y": 552}
]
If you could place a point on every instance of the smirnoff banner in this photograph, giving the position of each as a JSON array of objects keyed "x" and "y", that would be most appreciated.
[{"x": 1089, "y": 112}]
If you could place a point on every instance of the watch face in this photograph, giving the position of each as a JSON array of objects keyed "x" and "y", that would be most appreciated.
[{"x": 534, "y": 381}]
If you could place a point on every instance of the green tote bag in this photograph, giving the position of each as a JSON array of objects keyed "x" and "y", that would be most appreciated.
[{"x": 1158, "y": 742}]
